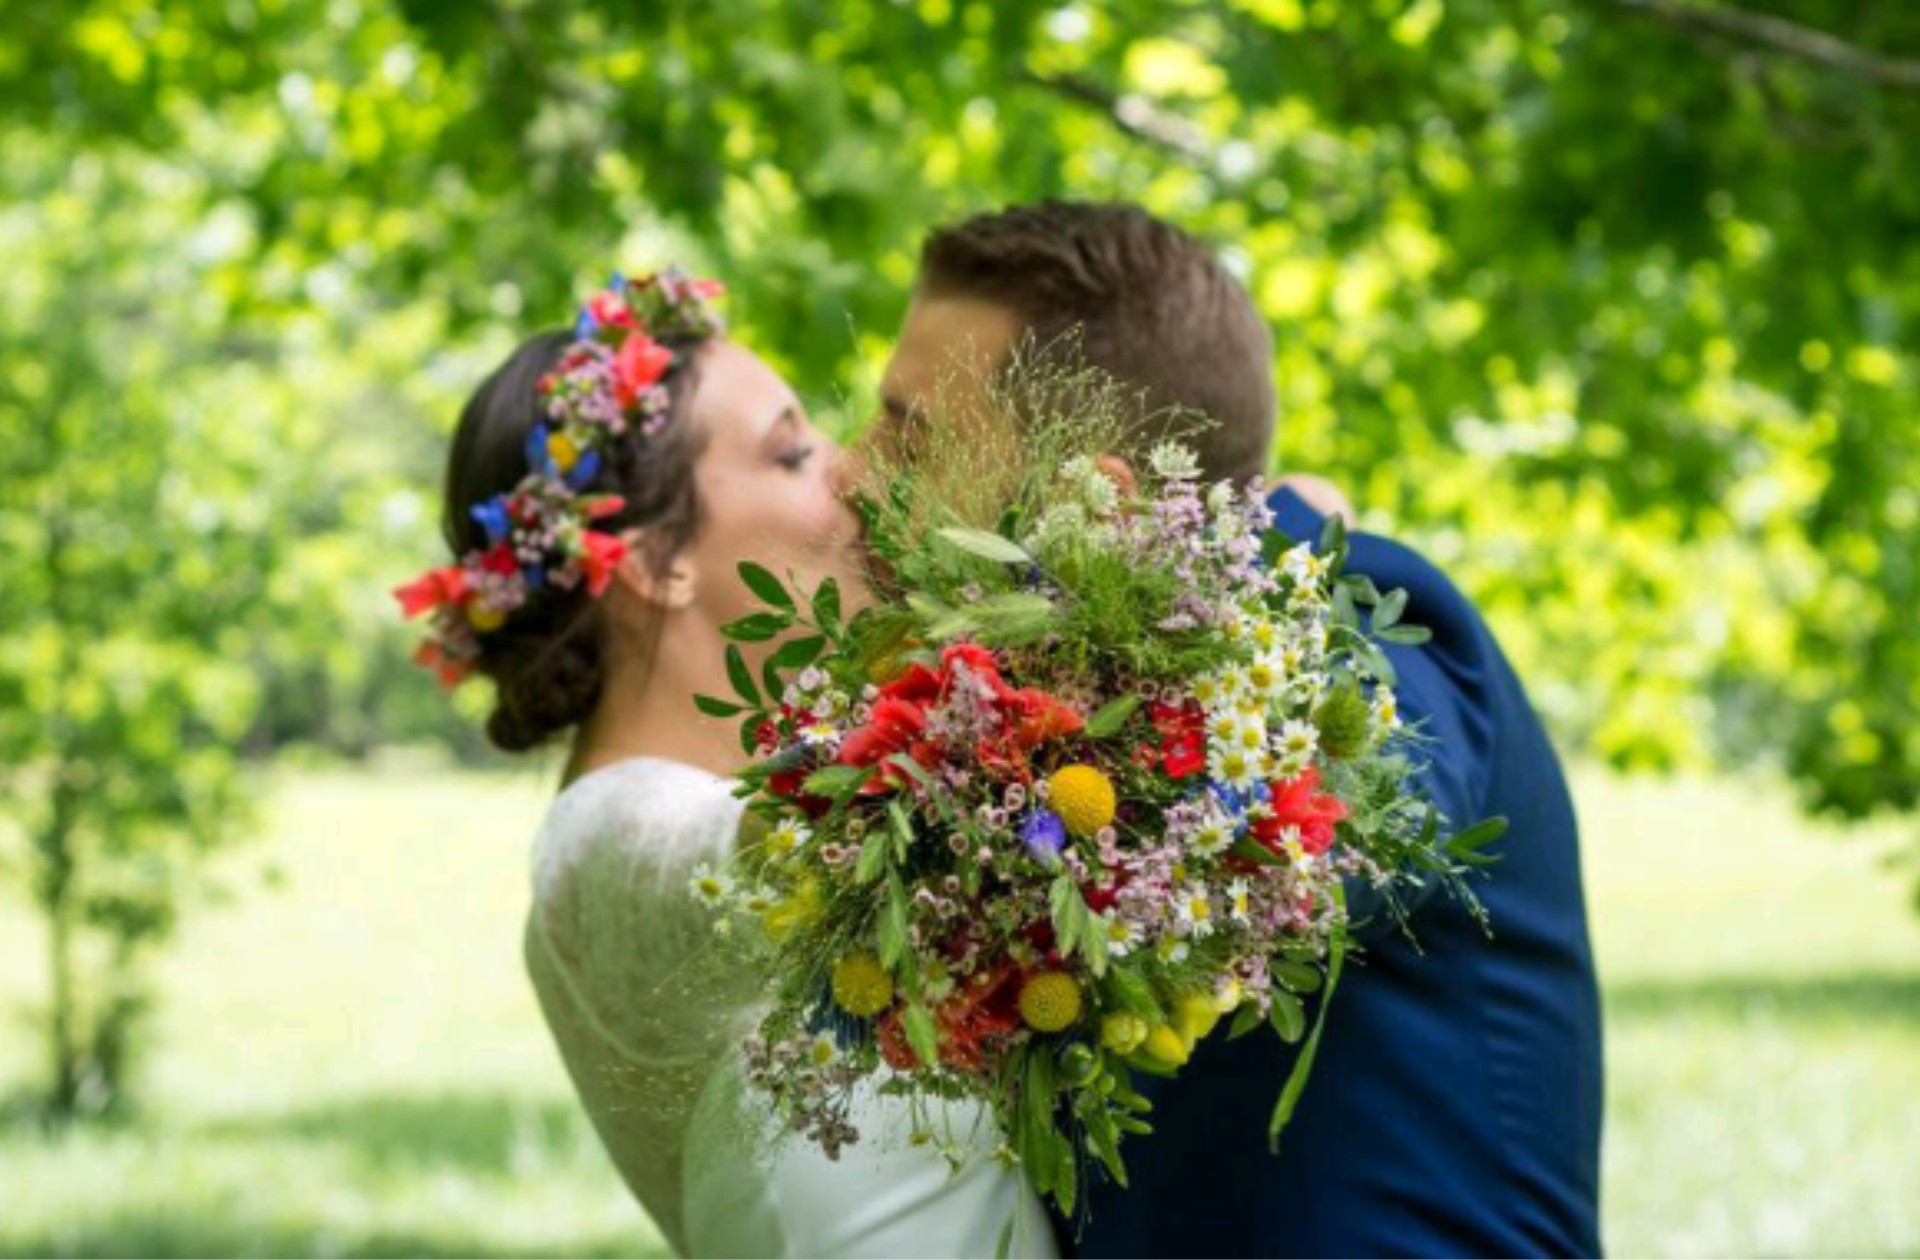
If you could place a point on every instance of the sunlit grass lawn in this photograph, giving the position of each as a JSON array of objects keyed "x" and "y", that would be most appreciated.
[{"x": 352, "y": 1064}]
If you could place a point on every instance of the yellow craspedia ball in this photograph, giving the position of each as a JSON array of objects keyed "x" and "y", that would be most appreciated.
[
  {"x": 483, "y": 619},
  {"x": 1083, "y": 797},
  {"x": 862, "y": 986},
  {"x": 1050, "y": 1001},
  {"x": 1122, "y": 1033},
  {"x": 564, "y": 452}
]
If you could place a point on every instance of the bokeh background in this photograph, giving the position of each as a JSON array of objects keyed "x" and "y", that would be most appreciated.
[{"x": 1608, "y": 305}]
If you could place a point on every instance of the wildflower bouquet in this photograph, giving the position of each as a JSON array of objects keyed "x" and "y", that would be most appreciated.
[{"x": 1085, "y": 782}]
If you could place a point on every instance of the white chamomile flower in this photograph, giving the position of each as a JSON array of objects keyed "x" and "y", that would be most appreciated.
[
  {"x": 709, "y": 887},
  {"x": 823, "y": 1051},
  {"x": 1213, "y": 837},
  {"x": 1233, "y": 682},
  {"x": 1222, "y": 727},
  {"x": 1238, "y": 893},
  {"x": 1296, "y": 740},
  {"x": 1266, "y": 676},
  {"x": 1194, "y": 908},
  {"x": 1172, "y": 949},
  {"x": 1220, "y": 499},
  {"x": 1174, "y": 462},
  {"x": 1206, "y": 690},
  {"x": 1265, "y": 634},
  {"x": 1386, "y": 709},
  {"x": 1251, "y": 736},
  {"x": 1250, "y": 703},
  {"x": 1295, "y": 852},
  {"x": 819, "y": 732},
  {"x": 1123, "y": 935},
  {"x": 1304, "y": 567},
  {"x": 788, "y": 837},
  {"x": 1235, "y": 768},
  {"x": 760, "y": 901}
]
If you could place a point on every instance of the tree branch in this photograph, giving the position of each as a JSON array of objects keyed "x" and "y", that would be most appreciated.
[
  {"x": 1133, "y": 114},
  {"x": 1781, "y": 36}
]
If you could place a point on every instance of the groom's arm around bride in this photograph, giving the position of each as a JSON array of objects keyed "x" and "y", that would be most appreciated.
[{"x": 1454, "y": 1108}]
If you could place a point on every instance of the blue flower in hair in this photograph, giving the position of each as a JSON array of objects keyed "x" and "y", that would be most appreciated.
[
  {"x": 584, "y": 470},
  {"x": 492, "y": 517},
  {"x": 538, "y": 458}
]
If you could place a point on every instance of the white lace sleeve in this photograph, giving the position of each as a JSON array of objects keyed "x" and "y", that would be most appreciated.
[{"x": 640, "y": 996}]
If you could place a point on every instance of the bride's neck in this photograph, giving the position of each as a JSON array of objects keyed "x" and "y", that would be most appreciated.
[{"x": 646, "y": 707}]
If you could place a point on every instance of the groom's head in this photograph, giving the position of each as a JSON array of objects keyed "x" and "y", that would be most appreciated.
[{"x": 1144, "y": 301}]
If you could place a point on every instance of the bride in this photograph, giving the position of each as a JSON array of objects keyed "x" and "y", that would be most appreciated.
[{"x": 603, "y": 485}]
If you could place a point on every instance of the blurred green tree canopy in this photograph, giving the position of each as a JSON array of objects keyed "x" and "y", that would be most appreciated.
[{"x": 1608, "y": 304}]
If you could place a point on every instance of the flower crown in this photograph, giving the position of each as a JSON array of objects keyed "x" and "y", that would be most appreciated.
[{"x": 610, "y": 381}]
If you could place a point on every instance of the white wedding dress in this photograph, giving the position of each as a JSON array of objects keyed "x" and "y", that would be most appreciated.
[{"x": 649, "y": 1016}]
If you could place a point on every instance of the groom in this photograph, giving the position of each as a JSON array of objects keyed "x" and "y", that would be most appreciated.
[{"x": 1455, "y": 1105}]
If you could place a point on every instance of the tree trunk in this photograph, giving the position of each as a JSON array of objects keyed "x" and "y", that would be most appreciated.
[{"x": 56, "y": 899}]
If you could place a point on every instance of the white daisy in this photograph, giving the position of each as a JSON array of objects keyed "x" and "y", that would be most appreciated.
[
  {"x": 1123, "y": 935},
  {"x": 1234, "y": 767},
  {"x": 788, "y": 837},
  {"x": 1172, "y": 949},
  {"x": 1238, "y": 893},
  {"x": 709, "y": 887},
  {"x": 823, "y": 1051},
  {"x": 1194, "y": 909},
  {"x": 1213, "y": 837}
]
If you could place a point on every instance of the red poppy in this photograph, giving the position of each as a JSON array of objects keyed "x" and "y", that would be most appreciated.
[
  {"x": 639, "y": 363},
  {"x": 1299, "y": 802},
  {"x": 432, "y": 589},
  {"x": 894, "y": 727},
  {"x": 600, "y": 555},
  {"x": 609, "y": 310},
  {"x": 1039, "y": 717},
  {"x": 451, "y": 671}
]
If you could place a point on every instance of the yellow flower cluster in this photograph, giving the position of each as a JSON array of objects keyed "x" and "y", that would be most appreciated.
[
  {"x": 1050, "y": 1002},
  {"x": 1083, "y": 797},
  {"x": 862, "y": 986}
]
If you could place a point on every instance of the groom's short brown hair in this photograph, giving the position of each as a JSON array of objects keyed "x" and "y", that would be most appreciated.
[{"x": 1153, "y": 307}]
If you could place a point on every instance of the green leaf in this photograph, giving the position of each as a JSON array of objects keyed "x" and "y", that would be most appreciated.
[
  {"x": 835, "y": 782},
  {"x": 1405, "y": 636},
  {"x": 799, "y": 653},
  {"x": 921, "y": 1034},
  {"x": 826, "y": 608},
  {"x": 1467, "y": 845},
  {"x": 766, "y": 587},
  {"x": 1388, "y": 611},
  {"x": 1344, "y": 611},
  {"x": 902, "y": 830},
  {"x": 1333, "y": 537},
  {"x": 757, "y": 627},
  {"x": 1297, "y": 977},
  {"x": 1244, "y": 1021},
  {"x": 985, "y": 544},
  {"x": 1288, "y": 1017},
  {"x": 1303, "y": 1066},
  {"x": 714, "y": 707},
  {"x": 741, "y": 677},
  {"x": 1111, "y": 717},
  {"x": 893, "y": 924},
  {"x": 873, "y": 858}
]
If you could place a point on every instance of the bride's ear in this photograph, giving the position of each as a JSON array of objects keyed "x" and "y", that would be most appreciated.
[{"x": 664, "y": 587}]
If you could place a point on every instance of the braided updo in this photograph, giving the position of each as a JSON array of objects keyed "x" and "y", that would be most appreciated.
[{"x": 546, "y": 661}]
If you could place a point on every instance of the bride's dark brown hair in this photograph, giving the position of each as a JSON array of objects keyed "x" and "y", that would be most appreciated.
[{"x": 547, "y": 661}]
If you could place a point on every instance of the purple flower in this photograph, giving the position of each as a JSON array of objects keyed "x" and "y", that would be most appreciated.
[{"x": 1044, "y": 834}]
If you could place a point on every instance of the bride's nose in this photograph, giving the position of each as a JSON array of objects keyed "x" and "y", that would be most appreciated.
[{"x": 844, "y": 470}]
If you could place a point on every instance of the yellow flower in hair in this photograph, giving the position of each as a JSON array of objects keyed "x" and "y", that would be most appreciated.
[
  {"x": 483, "y": 618},
  {"x": 862, "y": 986},
  {"x": 1050, "y": 1002},
  {"x": 563, "y": 450},
  {"x": 1083, "y": 797}
]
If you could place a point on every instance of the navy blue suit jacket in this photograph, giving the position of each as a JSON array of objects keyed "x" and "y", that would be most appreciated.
[{"x": 1454, "y": 1108}]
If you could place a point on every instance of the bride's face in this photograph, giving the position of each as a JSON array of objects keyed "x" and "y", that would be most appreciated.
[{"x": 770, "y": 490}]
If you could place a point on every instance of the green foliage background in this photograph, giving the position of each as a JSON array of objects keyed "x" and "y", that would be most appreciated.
[{"x": 1608, "y": 306}]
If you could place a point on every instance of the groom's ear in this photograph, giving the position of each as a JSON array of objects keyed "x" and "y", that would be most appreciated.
[{"x": 1120, "y": 472}]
